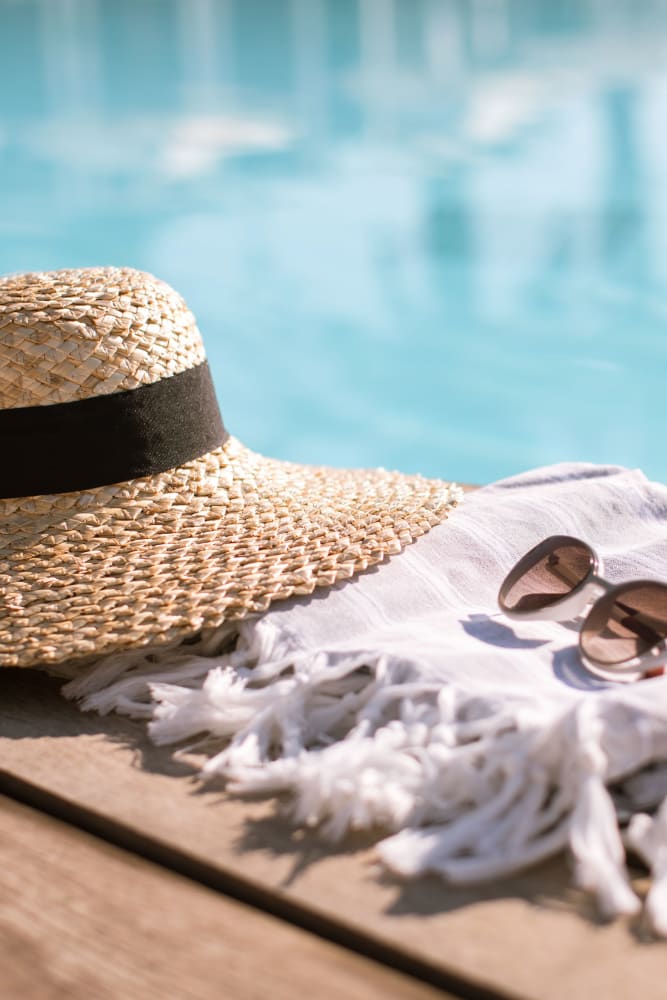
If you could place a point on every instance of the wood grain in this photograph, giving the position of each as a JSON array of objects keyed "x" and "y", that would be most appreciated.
[
  {"x": 82, "y": 919},
  {"x": 529, "y": 937}
]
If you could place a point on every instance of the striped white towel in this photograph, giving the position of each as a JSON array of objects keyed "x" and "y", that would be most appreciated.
[{"x": 405, "y": 700}]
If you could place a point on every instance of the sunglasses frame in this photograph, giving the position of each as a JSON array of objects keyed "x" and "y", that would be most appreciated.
[{"x": 583, "y": 598}]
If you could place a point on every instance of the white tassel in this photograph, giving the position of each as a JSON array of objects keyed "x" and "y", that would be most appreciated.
[
  {"x": 472, "y": 786},
  {"x": 121, "y": 682},
  {"x": 647, "y": 836},
  {"x": 595, "y": 839}
]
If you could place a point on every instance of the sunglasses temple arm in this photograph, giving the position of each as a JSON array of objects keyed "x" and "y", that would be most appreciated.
[
  {"x": 576, "y": 605},
  {"x": 594, "y": 588}
]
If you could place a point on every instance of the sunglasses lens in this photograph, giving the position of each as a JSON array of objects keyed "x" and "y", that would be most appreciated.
[
  {"x": 547, "y": 574},
  {"x": 626, "y": 623}
]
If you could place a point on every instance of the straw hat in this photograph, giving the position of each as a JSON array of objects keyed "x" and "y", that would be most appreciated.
[{"x": 128, "y": 515}]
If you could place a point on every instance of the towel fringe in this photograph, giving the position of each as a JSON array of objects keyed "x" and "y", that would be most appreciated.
[{"x": 470, "y": 786}]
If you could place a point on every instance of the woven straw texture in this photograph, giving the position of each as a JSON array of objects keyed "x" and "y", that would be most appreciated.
[{"x": 157, "y": 559}]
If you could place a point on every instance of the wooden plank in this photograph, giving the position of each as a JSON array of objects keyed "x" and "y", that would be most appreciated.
[
  {"x": 81, "y": 919},
  {"x": 529, "y": 937}
]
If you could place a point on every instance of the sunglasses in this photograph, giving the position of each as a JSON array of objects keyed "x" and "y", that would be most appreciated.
[{"x": 623, "y": 634}]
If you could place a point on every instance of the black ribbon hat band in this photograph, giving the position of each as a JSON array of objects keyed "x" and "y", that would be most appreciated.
[{"x": 63, "y": 447}]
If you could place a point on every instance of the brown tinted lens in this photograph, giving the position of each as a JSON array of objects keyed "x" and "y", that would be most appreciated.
[
  {"x": 546, "y": 574},
  {"x": 626, "y": 623}
]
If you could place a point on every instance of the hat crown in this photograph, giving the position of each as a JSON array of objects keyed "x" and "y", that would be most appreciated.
[{"x": 69, "y": 335}]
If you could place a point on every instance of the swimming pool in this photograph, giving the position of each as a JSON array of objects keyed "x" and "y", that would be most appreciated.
[{"x": 421, "y": 234}]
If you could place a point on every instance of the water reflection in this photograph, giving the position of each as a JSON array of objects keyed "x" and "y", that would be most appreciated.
[{"x": 425, "y": 234}]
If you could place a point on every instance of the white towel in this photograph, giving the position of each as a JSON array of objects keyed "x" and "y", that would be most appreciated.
[{"x": 405, "y": 701}]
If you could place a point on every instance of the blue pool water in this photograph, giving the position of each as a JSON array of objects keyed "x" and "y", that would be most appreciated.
[{"x": 423, "y": 234}]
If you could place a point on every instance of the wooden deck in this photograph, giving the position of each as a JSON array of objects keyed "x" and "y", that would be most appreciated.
[{"x": 119, "y": 877}]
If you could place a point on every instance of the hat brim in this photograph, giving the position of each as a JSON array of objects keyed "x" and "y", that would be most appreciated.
[{"x": 154, "y": 560}]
